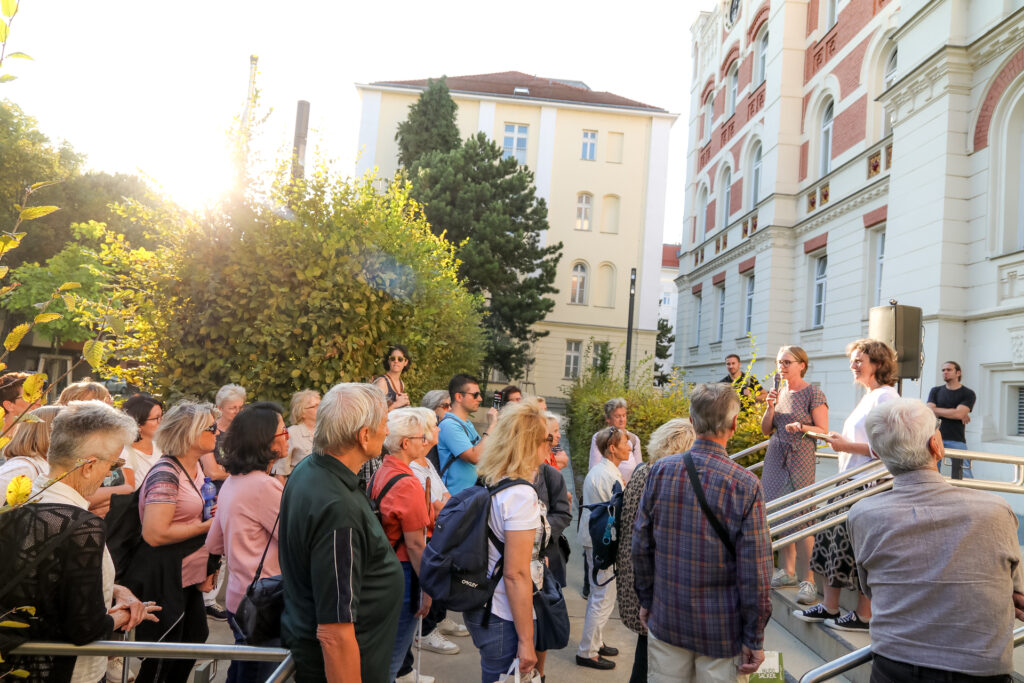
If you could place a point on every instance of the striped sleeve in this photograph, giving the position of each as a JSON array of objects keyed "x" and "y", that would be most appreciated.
[{"x": 333, "y": 563}]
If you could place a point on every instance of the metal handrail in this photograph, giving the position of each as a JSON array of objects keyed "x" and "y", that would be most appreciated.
[
  {"x": 831, "y": 521},
  {"x": 801, "y": 494},
  {"x": 864, "y": 655},
  {"x": 751, "y": 450},
  {"x": 872, "y": 475},
  {"x": 814, "y": 514}
]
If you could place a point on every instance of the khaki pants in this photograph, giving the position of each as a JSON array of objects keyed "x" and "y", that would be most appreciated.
[{"x": 670, "y": 664}]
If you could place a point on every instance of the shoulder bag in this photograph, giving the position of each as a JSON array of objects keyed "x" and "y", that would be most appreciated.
[{"x": 259, "y": 612}]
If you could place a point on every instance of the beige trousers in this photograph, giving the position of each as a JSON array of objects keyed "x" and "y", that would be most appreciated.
[{"x": 670, "y": 664}]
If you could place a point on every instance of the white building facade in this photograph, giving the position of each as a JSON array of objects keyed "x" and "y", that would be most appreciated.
[{"x": 843, "y": 153}]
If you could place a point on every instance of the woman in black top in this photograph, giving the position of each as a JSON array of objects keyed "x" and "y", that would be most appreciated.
[{"x": 396, "y": 361}]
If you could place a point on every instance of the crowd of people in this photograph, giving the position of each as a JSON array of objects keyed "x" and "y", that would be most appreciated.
[{"x": 142, "y": 516}]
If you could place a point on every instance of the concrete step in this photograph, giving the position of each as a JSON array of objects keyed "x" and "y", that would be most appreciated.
[
  {"x": 824, "y": 643},
  {"x": 797, "y": 658}
]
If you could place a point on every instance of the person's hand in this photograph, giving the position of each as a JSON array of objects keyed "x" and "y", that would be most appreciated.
[
  {"x": 492, "y": 416},
  {"x": 644, "y": 614},
  {"x": 750, "y": 660},
  {"x": 838, "y": 443},
  {"x": 1018, "y": 605},
  {"x": 794, "y": 428},
  {"x": 137, "y": 610},
  {"x": 967, "y": 419},
  {"x": 424, "y": 605},
  {"x": 207, "y": 585},
  {"x": 772, "y": 398},
  {"x": 527, "y": 657},
  {"x": 121, "y": 618},
  {"x": 401, "y": 400}
]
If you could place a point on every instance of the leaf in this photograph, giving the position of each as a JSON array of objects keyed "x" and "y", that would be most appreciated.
[
  {"x": 3, "y": 271},
  {"x": 41, "y": 184},
  {"x": 69, "y": 285},
  {"x": 116, "y": 325},
  {"x": 47, "y": 318},
  {"x": 7, "y": 78},
  {"x": 34, "y": 212},
  {"x": 32, "y": 388},
  {"x": 28, "y": 609},
  {"x": 93, "y": 353},
  {"x": 4, "y": 31},
  {"x": 19, "y": 489},
  {"x": 19, "y": 55},
  {"x": 19, "y": 673},
  {"x": 69, "y": 301},
  {"x": 15, "y": 336},
  {"x": 9, "y": 7},
  {"x": 30, "y": 418}
]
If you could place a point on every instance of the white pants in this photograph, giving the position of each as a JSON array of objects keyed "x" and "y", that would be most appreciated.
[
  {"x": 670, "y": 664},
  {"x": 599, "y": 609},
  {"x": 210, "y": 597}
]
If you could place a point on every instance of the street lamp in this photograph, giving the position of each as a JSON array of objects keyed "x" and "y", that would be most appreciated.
[{"x": 629, "y": 323}]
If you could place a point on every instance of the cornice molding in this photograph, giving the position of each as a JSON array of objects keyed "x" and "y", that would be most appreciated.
[
  {"x": 947, "y": 70},
  {"x": 844, "y": 206},
  {"x": 1002, "y": 40}
]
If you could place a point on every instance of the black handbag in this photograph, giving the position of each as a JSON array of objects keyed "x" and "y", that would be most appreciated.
[
  {"x": 551, "y": 631},
  {"x": 259, "y": 613}
]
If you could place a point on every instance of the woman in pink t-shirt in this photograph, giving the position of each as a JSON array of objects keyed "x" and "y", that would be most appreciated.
[{"x": 247, "y": 513}]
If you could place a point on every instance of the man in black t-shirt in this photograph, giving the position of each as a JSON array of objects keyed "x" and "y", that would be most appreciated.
[
  {"x": 746, "y": 385},
  {"x": 952, "y": 403}
]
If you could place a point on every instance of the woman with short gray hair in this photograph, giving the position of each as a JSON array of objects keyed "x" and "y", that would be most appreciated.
[{"x": 615, "y": 416}]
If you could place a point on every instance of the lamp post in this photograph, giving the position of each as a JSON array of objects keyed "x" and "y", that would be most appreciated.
[{"x": 629, "y": 323}]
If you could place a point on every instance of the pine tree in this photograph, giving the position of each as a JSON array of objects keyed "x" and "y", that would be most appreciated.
[
  {"x": 488, "y": 206},
  {"x": 430, "y": 126},
  {"x": 661, "y": 346}
]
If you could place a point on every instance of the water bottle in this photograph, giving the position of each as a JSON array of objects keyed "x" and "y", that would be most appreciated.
[{"x": 209, "y": 493}]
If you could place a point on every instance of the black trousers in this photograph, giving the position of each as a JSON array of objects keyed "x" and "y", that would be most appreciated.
[
  {"x": 190, "y": 628},
  {"x": 885, "y": 670},
  {"x": 639, "y": 674}
]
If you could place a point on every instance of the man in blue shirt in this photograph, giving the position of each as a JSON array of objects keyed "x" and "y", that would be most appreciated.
[{"x": 458, "y": 444}]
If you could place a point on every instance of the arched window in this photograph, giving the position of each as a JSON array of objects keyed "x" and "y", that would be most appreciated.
[
  {"x": 578, "y": 286},
  {"x": 733, "y": 89},
  {"x": 762, "y": 57},
  {"x": 755, "y": 176},
  {"x": 709, "y": 115},
  {"x": 888, "y": 79},
  {"x": 831, "y": 13},
  {"x": 826, "y": 139},
  {"x": 702, "y": 214},
  {"x": 726, "y": 196},
  {"x": 584, "y": 210}
]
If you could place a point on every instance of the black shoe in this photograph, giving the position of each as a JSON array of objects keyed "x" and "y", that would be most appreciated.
[
  {"x": 216, "y": 613},
  {"x": 606, "y": 651},
  {"x": 599, "y": 663},
  {"x": 815, "y": 613},
  {"x": 848, "y": 622}
]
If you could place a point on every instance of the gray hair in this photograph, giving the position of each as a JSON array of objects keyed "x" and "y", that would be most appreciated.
[
  {"x": 434, "y": 398},
  {"x": 557, "y": 418},
  {"x": 407, "y": 423},
  {"x": 344, "y": 411},
  {"x": 182, "y": 426},
  {"x": 713, "y": 408},
  {"x": 88, "y": 429},
  {"x": 675, "y": 436},
  {"x": 613, "y": 404},
  {"x": 229, "y": 392},
  {"x": 899, "y": 432},
  {"x": 300, "y": 400}
]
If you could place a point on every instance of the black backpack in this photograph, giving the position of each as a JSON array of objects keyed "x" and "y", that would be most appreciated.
[
  {"x": 124, "y": 531},
  {"x": 603, "y": 526}
]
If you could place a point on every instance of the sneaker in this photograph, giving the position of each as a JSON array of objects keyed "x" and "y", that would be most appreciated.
[
  {"x": 599, "y": 663},
  {"x": 848, "y": 622},
  {"x": 808, "y": 593},
  {"x": 815, "y": 614},
  {"x": 413, "y": 677},
  {"x": 450, "y": 628},
  {"x": 216, "y": 612},
  {"x": 435, "y": 642},
  {"x": 780, "y": 579},
  {"x": 115, "y": 671}
]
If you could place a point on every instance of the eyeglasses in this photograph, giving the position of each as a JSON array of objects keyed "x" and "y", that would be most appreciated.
[
  {"x": 785, "y": 363},
  {"x": 475, "y": 394},
  {"x": 446, "y": 406},
  {"x": 421, "y": 437},
  {"x": 938, "y": 423},
  {"x": 396, "y": 359},
  {"x": 212, "y": 428},
  {"x": 154, "y": 419},
  {"x": 550, "y": 438},
  {"x": 114, "y": 464},
  {"x": 284, "y": 434}
]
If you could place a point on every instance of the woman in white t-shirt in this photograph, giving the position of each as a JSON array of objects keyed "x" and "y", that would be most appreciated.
[
  {"x": 873, "y": 364},
  {"x": 26, "y": 453},
  {"x": 148, "y": 413},
  {"x": 519, "y": 443},
  {"x": 300, "y": 434}
]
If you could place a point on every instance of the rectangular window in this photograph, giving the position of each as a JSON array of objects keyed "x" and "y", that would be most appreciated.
[
  {"x": 820, "y": 282},
  {"x": 589, "y": 145},
  {"x": 615, "y": 146},
  {"x": 515, "y": 142},
  {"x": 584, "y": 206},
  {"x": 697, "y": 308},
  {"x": 720, "y": 331},
  {"x": 1019, "y": 427},
  {"x": 748, "y": 307},
  {"x": 572, "y": 358},
  {"x": 666, "y": 298},
  {"x": 879, "y": 262},
  {"x": 601, "y": 350}
]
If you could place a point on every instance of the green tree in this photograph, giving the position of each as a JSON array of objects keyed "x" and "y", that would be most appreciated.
[
  {"x": 488, "y": 206},
  {"x": 662, "y": 344},
  {"x": 430, "y": 126}
]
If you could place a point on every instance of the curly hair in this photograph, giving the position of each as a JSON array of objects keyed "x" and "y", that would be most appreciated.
[{"x": 881, "y": 356}]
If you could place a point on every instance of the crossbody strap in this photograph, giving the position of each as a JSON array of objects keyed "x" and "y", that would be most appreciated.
[
  {"x": 259, "y": 569},
  {"x": 452, "y": 457},
  {"x": 698, "y": 490},
  {"x": 380, "y": 497},
  {"x": 181, "y": 467}
]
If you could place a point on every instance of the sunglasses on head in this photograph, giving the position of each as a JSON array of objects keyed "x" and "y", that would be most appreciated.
[{"x": 475, "y": 394}]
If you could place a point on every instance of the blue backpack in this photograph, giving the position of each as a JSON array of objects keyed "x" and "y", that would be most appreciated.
[
  {"x": 453, "y": 570},
  {"x": 603, "y": 526}
]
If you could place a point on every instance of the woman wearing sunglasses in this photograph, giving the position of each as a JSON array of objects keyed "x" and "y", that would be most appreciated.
[
  {"x": 171, "y": 507},
  {"x": 396, "y": 361}
]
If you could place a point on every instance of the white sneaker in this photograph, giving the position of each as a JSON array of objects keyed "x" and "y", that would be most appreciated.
[
  {"x": 115, "y": 671},
  {"x": 412, "y": 677},
  {"x": 435, "y": 642},
  {"x": 780, "y": 579},
  {"x": 808, "y": 593},
  {"x": 450, "y": 628}
]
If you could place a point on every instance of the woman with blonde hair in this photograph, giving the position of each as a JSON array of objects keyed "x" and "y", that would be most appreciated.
[
  {"x": 26, "y": 452},
  {"x": 86, "y": 390},
  {"x": 302, "y": 419},
  {"x": 675, "y": 436},
  {"x": 519, "y": 443}
]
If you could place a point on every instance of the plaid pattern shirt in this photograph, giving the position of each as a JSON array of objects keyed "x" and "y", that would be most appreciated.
[{"x": 708, "y": 602}]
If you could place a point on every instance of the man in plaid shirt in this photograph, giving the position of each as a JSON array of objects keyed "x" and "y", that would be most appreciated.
[{"x": 712, "y": 605}]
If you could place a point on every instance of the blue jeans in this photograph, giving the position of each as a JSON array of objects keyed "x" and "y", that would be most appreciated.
[
  {"x": 498, "y": 643},
  {"x": 959, "y": 468},
  {"x": 406, "y": 624},
  {"x": 243, "y": 672}
]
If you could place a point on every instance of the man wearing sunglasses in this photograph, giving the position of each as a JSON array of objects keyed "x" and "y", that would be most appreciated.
[{"x": 459, "y": 444}]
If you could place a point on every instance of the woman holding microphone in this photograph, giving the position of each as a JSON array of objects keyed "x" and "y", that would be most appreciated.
[
  {"x": 873, "y": 364},
  {"x": 795, "y": 407}
]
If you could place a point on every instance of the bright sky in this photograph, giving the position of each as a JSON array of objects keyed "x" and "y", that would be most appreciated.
[{"x": 152, "y": 88}]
